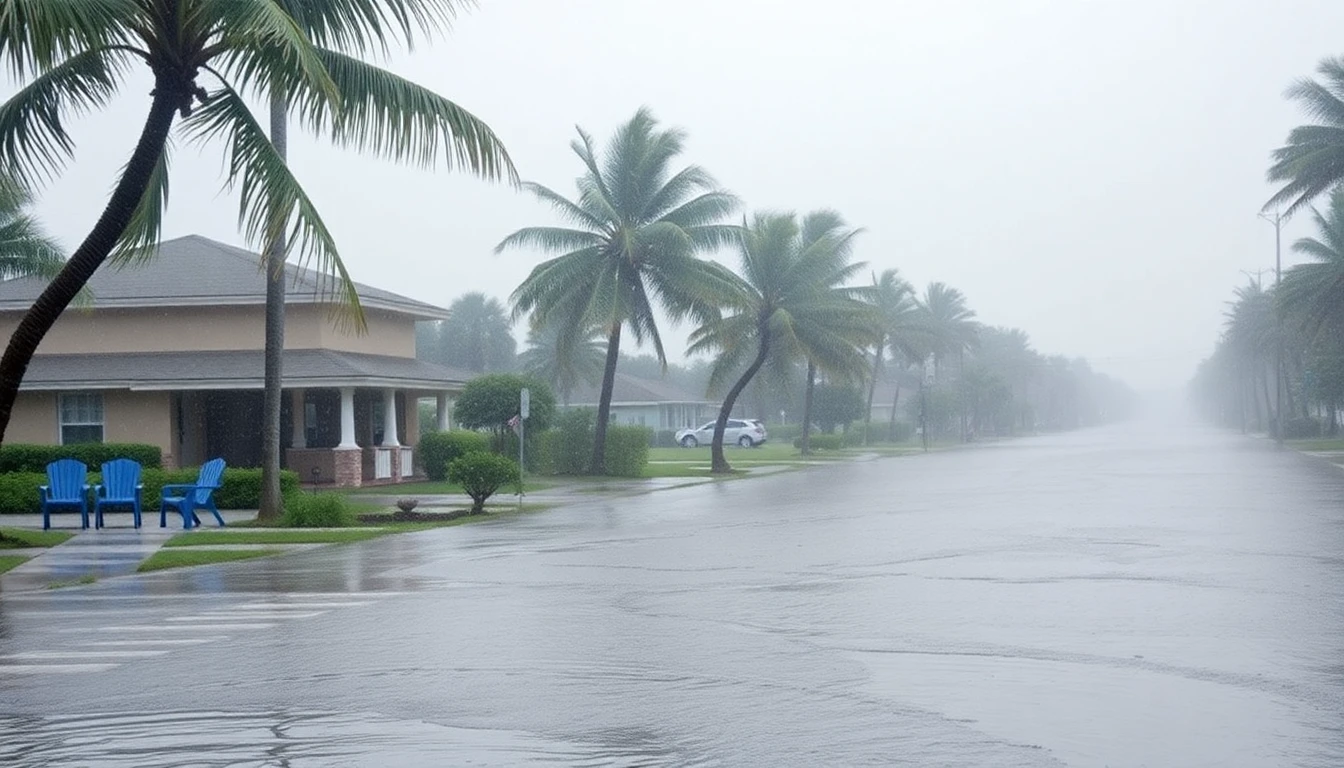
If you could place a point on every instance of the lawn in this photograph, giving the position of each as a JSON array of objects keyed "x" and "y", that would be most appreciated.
[
  {"x": 11, "y": 561},
  {"x": 180, "y": 558},
  {"x": 1326, "y": 444},
  {"x": 276, "y": 536},
  {"x": 18, "y": 538},
  {"x": 435, "y": 488}
]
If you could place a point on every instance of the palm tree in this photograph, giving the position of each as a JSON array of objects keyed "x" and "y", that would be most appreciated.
[
  {"x": 477, "y": 336},
  {"x": 1250, "y": 331},
  {"x": 787, "y": 304},
  {"x": 24, "y": 248},
  {"x": 1314, "y": 291},
  {"x": 74, "y": 55},
  {"x": 564, "y": 363},
  {"x": 1312, "y": 162},
  {"x": 951, "y": 327},
  {"x": 899, "y": 328},
  {"x": 631, "y": 245}
]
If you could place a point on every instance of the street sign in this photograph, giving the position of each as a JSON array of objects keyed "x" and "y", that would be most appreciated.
[{"x": 525, "y": 402}]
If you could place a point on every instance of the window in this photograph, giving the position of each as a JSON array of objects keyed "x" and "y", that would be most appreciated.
[{"x": 81, "y": 416}]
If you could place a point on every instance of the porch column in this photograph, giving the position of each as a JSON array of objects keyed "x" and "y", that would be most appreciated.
[
  {"x": 348, "y": 418},
  {"x": 390, "y": 418},
  {"x": 441, "y": 412},
  {"x": 299, "y": 414}
]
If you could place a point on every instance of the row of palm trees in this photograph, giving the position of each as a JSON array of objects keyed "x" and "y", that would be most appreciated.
[
  {"x": 630, "y": 244},
  {"x": 1279, "y": 365}
]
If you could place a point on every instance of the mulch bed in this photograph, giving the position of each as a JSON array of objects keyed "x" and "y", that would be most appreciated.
[{"x": 415, "y": 517}]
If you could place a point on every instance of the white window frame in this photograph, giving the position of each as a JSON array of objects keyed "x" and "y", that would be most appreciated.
[{"x": 61, "y": 423}]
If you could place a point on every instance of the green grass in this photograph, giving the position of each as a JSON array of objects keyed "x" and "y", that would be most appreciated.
[
  {"x": 182, "y": 558},
  {"x": 274, "y": 536},
  {"x": 1326, "y": 444},
  {"x": 432, "y": 488},
  {"x": 87, "y": 578},
  {"x": 11, "y": 561},
  {"x": 15, "y": 538}
]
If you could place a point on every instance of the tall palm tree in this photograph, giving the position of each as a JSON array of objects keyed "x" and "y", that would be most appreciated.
[
  {"x": 787, "y": 304},
  {"x": 478, "y": 335},
  {"x": 952, "y": 329},
  {"x": 1250, "y": 331},
  {"x": 898, "y": 328},
  {"x": 631, "y": 244},
  {"x": 25, "y": 249},
  {"x": 564, "y": 363},
  {"x": 1314, "y": 291},
  {"x": 1312, "y": 162}
]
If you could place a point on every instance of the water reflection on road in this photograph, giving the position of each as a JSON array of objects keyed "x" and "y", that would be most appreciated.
[{"x": 1115, "y": 597}]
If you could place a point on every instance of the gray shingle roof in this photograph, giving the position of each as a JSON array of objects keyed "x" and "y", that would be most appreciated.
[
  {"x": 239, "y": 369},
  {"x": 195, "y": 270},
  {"x": 630, "y": 390}
]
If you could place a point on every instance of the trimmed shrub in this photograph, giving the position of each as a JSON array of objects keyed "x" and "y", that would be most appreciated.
[
  {"x": 239, "y": 489},
  {"x": 821, "y": 442},
  {"x": 627, "y": 450},
  {"x": 481, "y": 475},
  {"x": 20, "y": 457},
  {"x": 317, "y": 510},
  {"x": 783, "y": 433},
  {"x": 437, "y": 449},
  {"x": 488, "y": 402},
  {"x": 878, "y": 432},
  {"x": 1301, "y": 427},
  {"x": 566, "y": 449},
  {"x": 18, "y": 492}
]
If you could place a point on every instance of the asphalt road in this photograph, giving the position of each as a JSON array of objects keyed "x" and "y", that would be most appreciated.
[{"x": 1121, "y": 597}]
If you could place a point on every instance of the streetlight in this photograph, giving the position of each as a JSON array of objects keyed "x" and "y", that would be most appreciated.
[{"x": 1277, "y": 221}]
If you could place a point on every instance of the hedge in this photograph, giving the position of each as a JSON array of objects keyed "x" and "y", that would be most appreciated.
[
  {"x": 241, "y": 488},
  {"x": 665, "y": 438},
  {"x": 19, "y": 457},
  {"x": 627, "y": 450},
  {"x": 821, "y": 442},
  {"x": 437, "y": 449}
]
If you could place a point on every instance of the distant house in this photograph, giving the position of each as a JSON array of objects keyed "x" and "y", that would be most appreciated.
[
  {"x": 650, "y": 403},
  {"x": 170, "y": 353}
]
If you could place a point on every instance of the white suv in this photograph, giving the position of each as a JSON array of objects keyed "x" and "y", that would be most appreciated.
[{"x": 747, "y": 433}]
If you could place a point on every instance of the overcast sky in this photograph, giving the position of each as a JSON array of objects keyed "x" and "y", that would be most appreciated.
[{"x": 1089, "y": 172}]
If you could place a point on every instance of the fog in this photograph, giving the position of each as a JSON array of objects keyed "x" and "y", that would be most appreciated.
[{"x": 1088, "y": 172}]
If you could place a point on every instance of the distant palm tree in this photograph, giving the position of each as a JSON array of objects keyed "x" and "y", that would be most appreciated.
[
  {"x": 563, "y": 362},
  {"x": 787, "y": 304},
  {"x": 631, "y": 246},
  {"x": 952, "y": 329},
  {"x": 899, "y": 328},
  {"x": 477, "y": 336},
  {"x": 1312, "y": 162},
  {"x": 1250, "y": 332},
  {"x": 24, "y": 248}
]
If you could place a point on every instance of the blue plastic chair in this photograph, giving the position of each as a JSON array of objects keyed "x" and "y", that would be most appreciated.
[
  {"x": 66, "y": 487},
  {"x": 120, "y": 488},
  {"x": 186, "y": 499}
]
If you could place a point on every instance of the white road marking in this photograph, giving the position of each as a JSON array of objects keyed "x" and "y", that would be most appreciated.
[
  {"x": 174, "y": 642},
  {"x": 269, "y": 606},
  {"x": 52, "y": 655},
  {"x": 245, "y": 616},
  {"x": 171, "y": 627},
  {"x": 41, "y": 669}
]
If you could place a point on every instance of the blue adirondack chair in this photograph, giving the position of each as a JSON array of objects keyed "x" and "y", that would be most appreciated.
[
  {"x": 66, "y": 488},
  {"x": 186, "y": 499},
  {"x": 120, "y": 488}
]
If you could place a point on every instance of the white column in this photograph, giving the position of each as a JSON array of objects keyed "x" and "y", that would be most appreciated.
[
  {"x": 348, "y": 418},
  {"x": 299, "y": 414},
  {"x": 390, "y": 418},
  {"x": 441, "y": 412}
]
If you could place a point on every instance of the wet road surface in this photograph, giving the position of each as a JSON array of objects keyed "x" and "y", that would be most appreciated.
[{"x": 1119, "y": 597}]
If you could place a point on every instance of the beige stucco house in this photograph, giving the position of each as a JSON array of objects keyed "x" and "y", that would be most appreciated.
[{"x": 170, "y": 353}]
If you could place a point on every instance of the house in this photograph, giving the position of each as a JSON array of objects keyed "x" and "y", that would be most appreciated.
[
  {"x": 650, "y": 403},
  {"x": 170, "y": 353}
]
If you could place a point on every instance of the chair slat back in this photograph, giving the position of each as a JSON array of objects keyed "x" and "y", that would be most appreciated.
[
  {"x": 209, "y": 477},
  {"x": 67, "y": 478},
  {"x": 120, "y": 476}
]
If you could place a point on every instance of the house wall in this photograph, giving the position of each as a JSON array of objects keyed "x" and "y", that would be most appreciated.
[
  {"x": 128, "y": 417},
  {"x": 388, "y": 334},
  {"x": 33, "y": 419}
]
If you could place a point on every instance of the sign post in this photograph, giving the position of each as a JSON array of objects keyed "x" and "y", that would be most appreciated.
[{"x": 524, "y": 406}]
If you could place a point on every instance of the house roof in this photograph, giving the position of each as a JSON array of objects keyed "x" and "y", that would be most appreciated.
[
  {"x": 234, "y": 369},
  {"x": 633, "y": 390},
  {"x": 194, "y": 270}
]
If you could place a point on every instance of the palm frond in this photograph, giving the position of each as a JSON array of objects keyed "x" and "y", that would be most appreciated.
[
  {"x": 140, "y": 241},
  {"x": 36, "y": 35}
]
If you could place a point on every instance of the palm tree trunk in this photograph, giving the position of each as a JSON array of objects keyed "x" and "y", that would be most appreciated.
[
  {"x": 895, "y": 402},
  {"x": 872, "y": 389},
  {"x": 598, "y": 464},
  {"x": 719, "y": 464},
  {"x": 109, "y": 228},
  {"x": 807, "y": 408},
  {"x": 272, "y": 505}
]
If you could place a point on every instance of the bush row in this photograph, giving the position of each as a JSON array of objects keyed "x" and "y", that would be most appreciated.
[
  {"x": 241, "y": 488},
  {"x": 438, "y": 449},
  {"x": 19, "y": 457}
]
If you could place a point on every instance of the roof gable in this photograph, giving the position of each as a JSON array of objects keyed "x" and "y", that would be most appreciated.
[
  {"x": 195, "y": 270},
  {"x": 629, "y": 389}
]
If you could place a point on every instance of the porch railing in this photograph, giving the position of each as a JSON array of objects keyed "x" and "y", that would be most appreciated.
[
  {"x": 407, "y": 458},
  {"x": 382, "y": 464}
]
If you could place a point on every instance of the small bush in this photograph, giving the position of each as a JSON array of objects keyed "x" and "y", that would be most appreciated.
[
  {"x": 320, "y": 510},
  {"x": 783, "y": 433},
  {"x": 665, "y": 438},
  {"x": 627, "y": 450},
  {"x": 481, "y": 475},
  {"x": 20, "y": 457},
  {"x": 437, "y": 449},
  {"x": 821, "y": 442},
  {"x": 1301, "y": 427}
]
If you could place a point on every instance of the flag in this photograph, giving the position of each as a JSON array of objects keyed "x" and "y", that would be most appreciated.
[{"x": 514, "y": 423}]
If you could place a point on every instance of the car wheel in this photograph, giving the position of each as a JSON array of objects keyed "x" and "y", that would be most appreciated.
[
  {"x": 689, "y": 441},
  {"x": 745, "y": 442}
]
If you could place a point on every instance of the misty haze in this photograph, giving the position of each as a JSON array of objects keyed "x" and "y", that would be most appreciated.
[{"x": 619, "y": 383}]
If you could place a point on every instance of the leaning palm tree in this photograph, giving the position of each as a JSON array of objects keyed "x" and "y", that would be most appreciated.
[
  {"x": 898, "y": 328},
  {"x": 1314, "y": 291},
  {"x": 25, "y": 249},
  {"x": 1312, "y": 162},
  {"x": 631, "y": 244},
  {"x": 787, "y": 304},
  {"x": 204, "y": 54},
  {"x": 564, "y": 363}
]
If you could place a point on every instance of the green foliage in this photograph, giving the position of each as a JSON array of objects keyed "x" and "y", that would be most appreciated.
[
  {"x": 18, "y": 492},
  {"x": 481, "y": 475},
  {"x": 665, "y": 438},
  {"x": 834, "y": 405},
  {"x": 239, "y": 489},
  {"x": 564, "y": 450},
  {"x": 186, "y": 557},
  {"x": 488, "y": 402},
  {"x": 627, "y": 450},
  {"x": 476, "y": 337},
  {"x": 19, "y": 457},
  {"x": 821, "y": 442},
  {"x": 437, "y": 449},
  {"x": 317, "y": 510}
]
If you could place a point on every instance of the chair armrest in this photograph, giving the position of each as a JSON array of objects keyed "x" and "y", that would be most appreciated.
[
  {"x": 98, "y": 489},
  {"x": 44, "y": 490}
]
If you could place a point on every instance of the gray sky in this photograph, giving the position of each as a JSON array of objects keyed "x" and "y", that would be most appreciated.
[{"x": 1086, "y": 171}]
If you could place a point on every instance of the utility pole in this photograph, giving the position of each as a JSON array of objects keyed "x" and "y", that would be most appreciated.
[{"x": 1277, "y": 221}]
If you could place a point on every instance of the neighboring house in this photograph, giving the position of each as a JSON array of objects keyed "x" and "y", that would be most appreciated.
[
  {"x": 649, "y": 403},
  {"x": 170, "y": 353}
]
